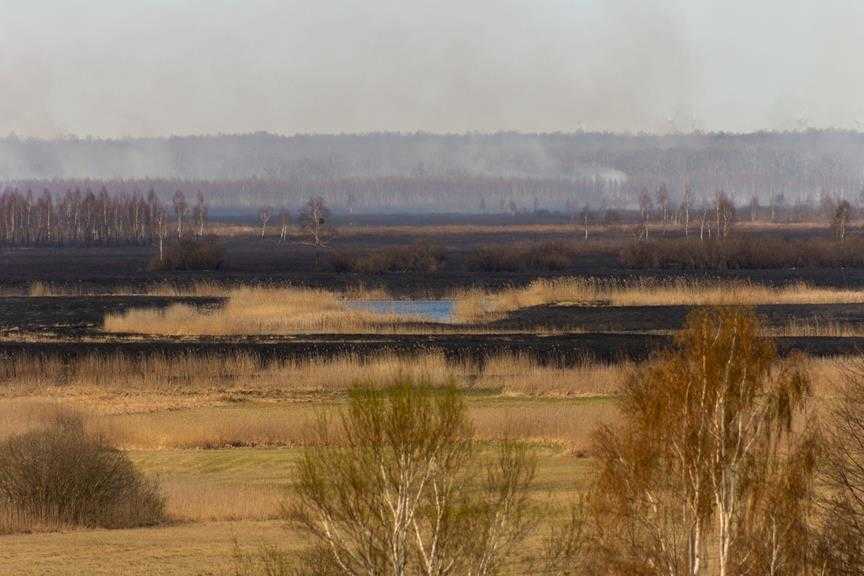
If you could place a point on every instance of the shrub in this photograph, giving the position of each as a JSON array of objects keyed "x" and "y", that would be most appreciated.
[
  {"x": 190, "y": 254},
  {"x": 61, "y": 475},
  {"x": 417, "y": 258},
  {"x": 743, "y": 253},
  {"x": 552, "y": 256}
]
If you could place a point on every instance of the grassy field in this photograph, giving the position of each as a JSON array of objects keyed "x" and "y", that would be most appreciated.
[
  {"x": 222, "y": 435},
  {"x": 221, "y": 499}
]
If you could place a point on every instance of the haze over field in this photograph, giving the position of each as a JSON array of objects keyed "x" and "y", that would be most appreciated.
[{"x": 112, "y": 68}]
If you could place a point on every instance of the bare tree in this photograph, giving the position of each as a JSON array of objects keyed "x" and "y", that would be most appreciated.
[
  {"x": 264, "y": 216},
  {"x": 754, "y": 208},
  {"x": 685, "y": 207},
  {"x": 199, "y": 213},
  {"x": 724, "y": 210},
  {"x": 315, "y": 221},
  {"x": 645, "y": 207},
  {"x": 285, "y": 222},
  {"x": 702, "y": 223},
  {"x": 840, "y": 220},
  {"x": 180, "y": 209},
  {"x": 586, "y": 211},
  {"x": 401, "y": 489},
  {"x": 161, "y": 230},
  {"x": 663, "y": 201}
]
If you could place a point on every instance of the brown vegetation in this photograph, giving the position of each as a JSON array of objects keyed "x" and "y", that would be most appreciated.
[
  {"x": 477, "y": 306},
  {"x": 705, "y": 474},
  {"x": 403, "y": 484},
  {"x": 60, "y": 475},
  {"x": 420, "y": 257},
  {"x": 190, "y": 254},
  {"x": 140, "y": 383},
  {"x": 743, "y": 253},
  {"x": 255, "y": 310}
]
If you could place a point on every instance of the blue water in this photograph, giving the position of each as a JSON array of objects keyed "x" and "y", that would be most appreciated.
[{"x": 434, "y": 310}]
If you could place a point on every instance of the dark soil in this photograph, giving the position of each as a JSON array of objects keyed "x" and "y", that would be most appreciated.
[
  {"x": 566, "y": 349},
  {"x": 665, "y": 318},
  {"x": 77, "y": 315},
  {"x": 253, "y": 260}
]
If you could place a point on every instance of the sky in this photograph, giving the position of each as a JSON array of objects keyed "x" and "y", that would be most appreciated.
[{"x": 120, "y": 68}]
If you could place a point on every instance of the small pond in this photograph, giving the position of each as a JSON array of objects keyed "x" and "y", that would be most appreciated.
[{"x": 433, "y": 310}]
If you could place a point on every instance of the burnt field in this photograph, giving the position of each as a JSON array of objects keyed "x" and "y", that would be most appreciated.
[
  {"x": 411, "y": 259},
  {"x": 70, "y": 326},
  {"x": 419, "y": 260},
  {"x": 564, "y": 350}
]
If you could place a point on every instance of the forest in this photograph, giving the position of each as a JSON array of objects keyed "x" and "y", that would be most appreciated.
[{"x": 470, "y": 173}]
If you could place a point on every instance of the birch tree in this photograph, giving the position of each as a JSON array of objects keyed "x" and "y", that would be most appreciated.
[
  {"x": 315, "y": 221},
  {"x": 401, "y": 489},
  {"x": 688, "y": 479}
]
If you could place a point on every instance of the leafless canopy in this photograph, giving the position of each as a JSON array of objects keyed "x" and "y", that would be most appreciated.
[
  {"x": 315, "y": 221},
  {"x": 402, "y": 489}
]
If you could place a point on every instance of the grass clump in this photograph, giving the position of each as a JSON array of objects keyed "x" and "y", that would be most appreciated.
[{"x": 59, "y": 475}]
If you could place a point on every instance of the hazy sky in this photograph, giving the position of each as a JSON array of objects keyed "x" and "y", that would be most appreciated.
[{"x": 159, "y": 67}]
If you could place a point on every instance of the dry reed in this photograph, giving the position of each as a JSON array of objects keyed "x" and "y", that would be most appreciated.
[
  {"x": 255, "y": 310},
  {"x": 477, "y": 305}
]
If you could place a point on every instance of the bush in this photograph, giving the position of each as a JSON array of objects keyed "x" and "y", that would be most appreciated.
[
  {"x": 552, "y": 256},
  {"x": 743, "y": 253},
  {"x": 60, "y": 475},
  {"x": 190, "y": 254},
  {"x": 417, "y": 258}
]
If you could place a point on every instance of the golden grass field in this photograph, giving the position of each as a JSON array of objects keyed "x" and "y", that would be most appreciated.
[{"x": 222, "y": 435}]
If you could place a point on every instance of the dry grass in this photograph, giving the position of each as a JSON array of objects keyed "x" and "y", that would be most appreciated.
[
  {"x": 255, "y": 310},
  {"x": 478, "y": 306},
  {"x": 564, "y": 423},
  {"x": 200, "y": 549},
  {"x": 120, "y": 383},
  {"x": 200, "y": 288},
  {"x": 211, "y": 401},
  {"x": 275, "y": 404}
]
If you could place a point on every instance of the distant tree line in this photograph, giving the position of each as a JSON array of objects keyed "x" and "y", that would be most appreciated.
[
  {"x": 88, "y": 217},
  {"x": 494, "y": 173}
]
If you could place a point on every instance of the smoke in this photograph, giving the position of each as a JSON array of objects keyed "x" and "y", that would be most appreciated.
[{"x": 115, "y": 68}]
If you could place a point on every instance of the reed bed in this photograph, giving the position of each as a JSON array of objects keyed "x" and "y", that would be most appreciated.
[
  {"x": 479, "y": 305},
  {"x": 119, "y": 383},
  {"x": 255, "y": 310}
]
